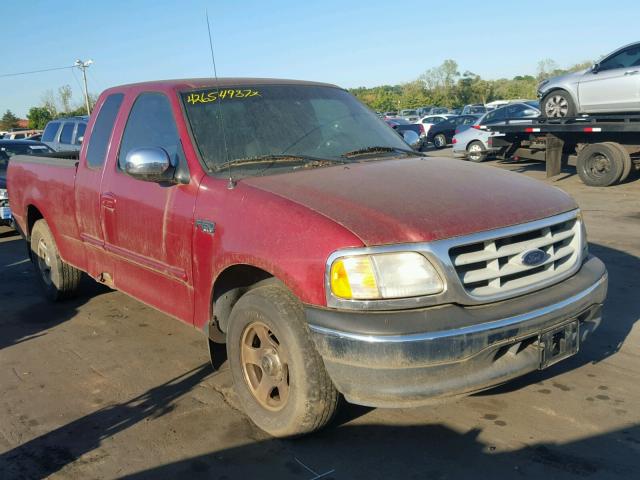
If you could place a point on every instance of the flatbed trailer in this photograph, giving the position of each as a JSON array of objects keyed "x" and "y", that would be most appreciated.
[{"x": 605, "y": 148}]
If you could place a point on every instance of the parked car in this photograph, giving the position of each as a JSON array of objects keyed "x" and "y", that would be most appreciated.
[
  {"x": 37, "y": 137},
  {"x": 19, "y": 134},
  {"x": 430, "y": 120},
  {"x": 9, "y": 148},
  {"x": 455, "y": 111},
  {"x": 328, "y": 256},
  {"x": 401, "y": 126},
  {"x": 474, "y": 109},
  {"x": 390, "y": 114},
  {"x": 410, "y": 115},
  {"x": 611, "y": 85},
  {"x": 442, "y": 133},
  {"x": 473, "y": 143},
  {"x": 65, "y": 134}
]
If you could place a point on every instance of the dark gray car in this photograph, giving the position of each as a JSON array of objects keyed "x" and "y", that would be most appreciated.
[{"x": 611, "y": 85}]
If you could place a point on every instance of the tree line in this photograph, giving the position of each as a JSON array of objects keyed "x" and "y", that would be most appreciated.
[
  {"x": 445, "y": 86},
  {"x": 52, "y": 105}
]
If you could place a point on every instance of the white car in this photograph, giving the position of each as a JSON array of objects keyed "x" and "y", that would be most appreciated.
[
  {"x": 430, "y": 120},
  {"x": 473, "y": 143}
]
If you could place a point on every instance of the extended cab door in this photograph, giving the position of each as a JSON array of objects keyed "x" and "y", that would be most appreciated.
[
  {"x": 93, "y": 158},
  {"x": 148, "y": 225},
  {"x": 614, "y": 85}
]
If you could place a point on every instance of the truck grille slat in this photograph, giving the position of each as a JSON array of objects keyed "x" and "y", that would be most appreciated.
[{"x": 495, "y": 266}]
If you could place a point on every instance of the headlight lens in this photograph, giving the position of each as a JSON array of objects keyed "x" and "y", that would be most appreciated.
[
  {"x": 385, "y": 275},
  {"x": 4, "y": 195}
]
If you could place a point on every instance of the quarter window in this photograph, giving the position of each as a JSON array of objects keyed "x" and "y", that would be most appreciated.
[
  {"x": 67, "y": 132},
  {"x": 102, "y": 128}
]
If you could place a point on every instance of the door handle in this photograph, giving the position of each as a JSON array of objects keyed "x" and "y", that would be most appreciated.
[
  {"x": 108, "y": 201},
  {"x": 632, "y": 72}
]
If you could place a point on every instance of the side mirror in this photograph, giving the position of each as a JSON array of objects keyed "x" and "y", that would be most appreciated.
[
  {"x": 412, "y": 138},
  {"x": 595, "y": 68},
  {"x": 150, "y": 164}
]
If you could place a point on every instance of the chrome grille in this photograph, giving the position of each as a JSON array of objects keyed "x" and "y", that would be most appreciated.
[{"x": 494, "y": 266}]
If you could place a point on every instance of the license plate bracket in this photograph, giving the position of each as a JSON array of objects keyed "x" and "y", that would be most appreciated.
[{"x": 559, "y": 343}]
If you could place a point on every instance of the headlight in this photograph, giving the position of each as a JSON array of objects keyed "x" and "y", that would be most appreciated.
[
  {"x": 4, "y": 195},
  {"x": 384, "y": 275}
]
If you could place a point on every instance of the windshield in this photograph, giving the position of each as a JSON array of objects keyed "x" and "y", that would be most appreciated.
[{"x": 274, "y": 120}]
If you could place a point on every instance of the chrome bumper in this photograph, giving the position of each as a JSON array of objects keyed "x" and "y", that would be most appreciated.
[{"x": 411, "y": 369}]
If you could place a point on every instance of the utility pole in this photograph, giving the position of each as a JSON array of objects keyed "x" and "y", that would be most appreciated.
[{"x": 83, "y": 66}]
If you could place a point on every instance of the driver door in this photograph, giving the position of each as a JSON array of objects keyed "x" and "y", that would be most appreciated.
[{"x": 615, "y": 85}]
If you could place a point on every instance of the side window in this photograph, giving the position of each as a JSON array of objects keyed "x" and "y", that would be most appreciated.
[
  {"x": 629, "y": 57},
  {"x": 80, "y": 132},
  {"x": 50, "y": 131},
  {"x": 150, "y": 124},
  {"x": 101, "y": 133},
  {"x": 67, "y": 132},
  {"x": 495, "y": 116}
]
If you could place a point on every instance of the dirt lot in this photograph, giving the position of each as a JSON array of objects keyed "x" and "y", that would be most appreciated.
[{"x": 104, "y": 387}]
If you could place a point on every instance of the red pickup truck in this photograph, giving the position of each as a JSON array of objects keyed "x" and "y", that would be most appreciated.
[{"x": 284, "y": 219}]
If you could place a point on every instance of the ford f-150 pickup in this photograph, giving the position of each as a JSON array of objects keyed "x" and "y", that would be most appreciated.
[{"x": 284, "y": 219}]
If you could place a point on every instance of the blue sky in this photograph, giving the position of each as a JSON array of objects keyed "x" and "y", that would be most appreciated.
[{"x": 350, "y": 43}]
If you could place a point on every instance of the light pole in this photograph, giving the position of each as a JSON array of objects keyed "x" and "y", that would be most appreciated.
[{"x": 83, "y": 66}]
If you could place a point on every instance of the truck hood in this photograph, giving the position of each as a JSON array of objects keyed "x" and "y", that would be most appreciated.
[{"x": 417, "y": 199}]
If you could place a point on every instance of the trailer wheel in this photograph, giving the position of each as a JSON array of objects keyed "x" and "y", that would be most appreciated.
[
  {"x": 600, "y": 165},
  {"x": 58, "y": 279},
  {"x": 558, "y": 104},
  {"x": 279, "y": 376},
  {"x": 627, "y": 164},
  {"x": 475, "y": 152}
]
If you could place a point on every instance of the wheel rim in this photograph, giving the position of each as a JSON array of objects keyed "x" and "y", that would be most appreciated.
[
  {"x": 265, "y": 366},
  {"x": 598, "y": 165},
  {"x": 557, "y": 106},
  {"x": 475, "y": 151},
  {"x": 439, "y": 141},
  {"x": 44, "y": 261}
]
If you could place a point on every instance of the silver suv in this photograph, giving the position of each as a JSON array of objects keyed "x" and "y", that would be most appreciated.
[
  {"x": 65, "y": 134},
  {"x": 611, "y": 85}
]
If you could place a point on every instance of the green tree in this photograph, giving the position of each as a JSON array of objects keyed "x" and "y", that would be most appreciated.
[
  {"x": 8, "y": 121},
  {"x": 39, "y": 117}
]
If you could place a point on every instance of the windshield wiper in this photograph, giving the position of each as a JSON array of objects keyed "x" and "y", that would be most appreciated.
[
  {"x": 380, "y": 149},
  {"x": 280, "y": 158}
]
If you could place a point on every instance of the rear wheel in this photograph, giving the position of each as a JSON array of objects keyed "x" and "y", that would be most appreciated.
[
  {"x": 440, "y": 141},
  {"x": 58, "y": 279},
  {"x": 280, "y": 378},
  {"x": 600, "y": 165},
  {"x": 558, "y": 104},
  {"x": 627, "y": 164},
  {"x": 475, "y": 152}
]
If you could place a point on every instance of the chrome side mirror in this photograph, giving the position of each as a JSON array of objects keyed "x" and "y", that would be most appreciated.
[
  {"x": 412, "y": 138},
  {"x": 150, "y": 164}
]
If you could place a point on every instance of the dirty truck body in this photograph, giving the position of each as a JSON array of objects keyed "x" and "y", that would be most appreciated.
[{"x": 328, "y": 264}]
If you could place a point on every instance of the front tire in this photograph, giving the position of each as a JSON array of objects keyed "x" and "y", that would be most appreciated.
[
  {"x": 440, "y": 141},
  {"x": 558, "y": 104},
  {"x": 475, "y": 152},
  {"x": 279, "y": 376},
  {"x": 59, "y": 280}
]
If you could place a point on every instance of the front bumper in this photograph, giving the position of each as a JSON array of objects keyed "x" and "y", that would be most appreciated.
[{"x": 408, "y": 358}]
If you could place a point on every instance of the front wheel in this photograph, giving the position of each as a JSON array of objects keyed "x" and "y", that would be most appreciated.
[
  {"x": 475, "y": 152},
  {"x": 558, "y": 104},
  {"x": 440, "y": 141},
  {"x": 279, "y": 376}
]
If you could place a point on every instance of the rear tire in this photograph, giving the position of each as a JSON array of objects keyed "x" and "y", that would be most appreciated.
[
  {"x": 279, "y": 376},
  {"x": 558, "y": 104},
  {"x": 440, "y": 141},
  {"x": 59, "y": 280},
  {"x": 627, "y": 164},
  {"x": 475, "y": 152},
  {"x": 600, "y": 165}
]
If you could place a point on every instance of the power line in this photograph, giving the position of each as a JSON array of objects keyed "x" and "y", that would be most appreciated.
[{"x": 34, "y": 71}]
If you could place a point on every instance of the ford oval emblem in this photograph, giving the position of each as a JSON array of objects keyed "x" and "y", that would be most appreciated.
[{"x": 533, "y": 258}]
